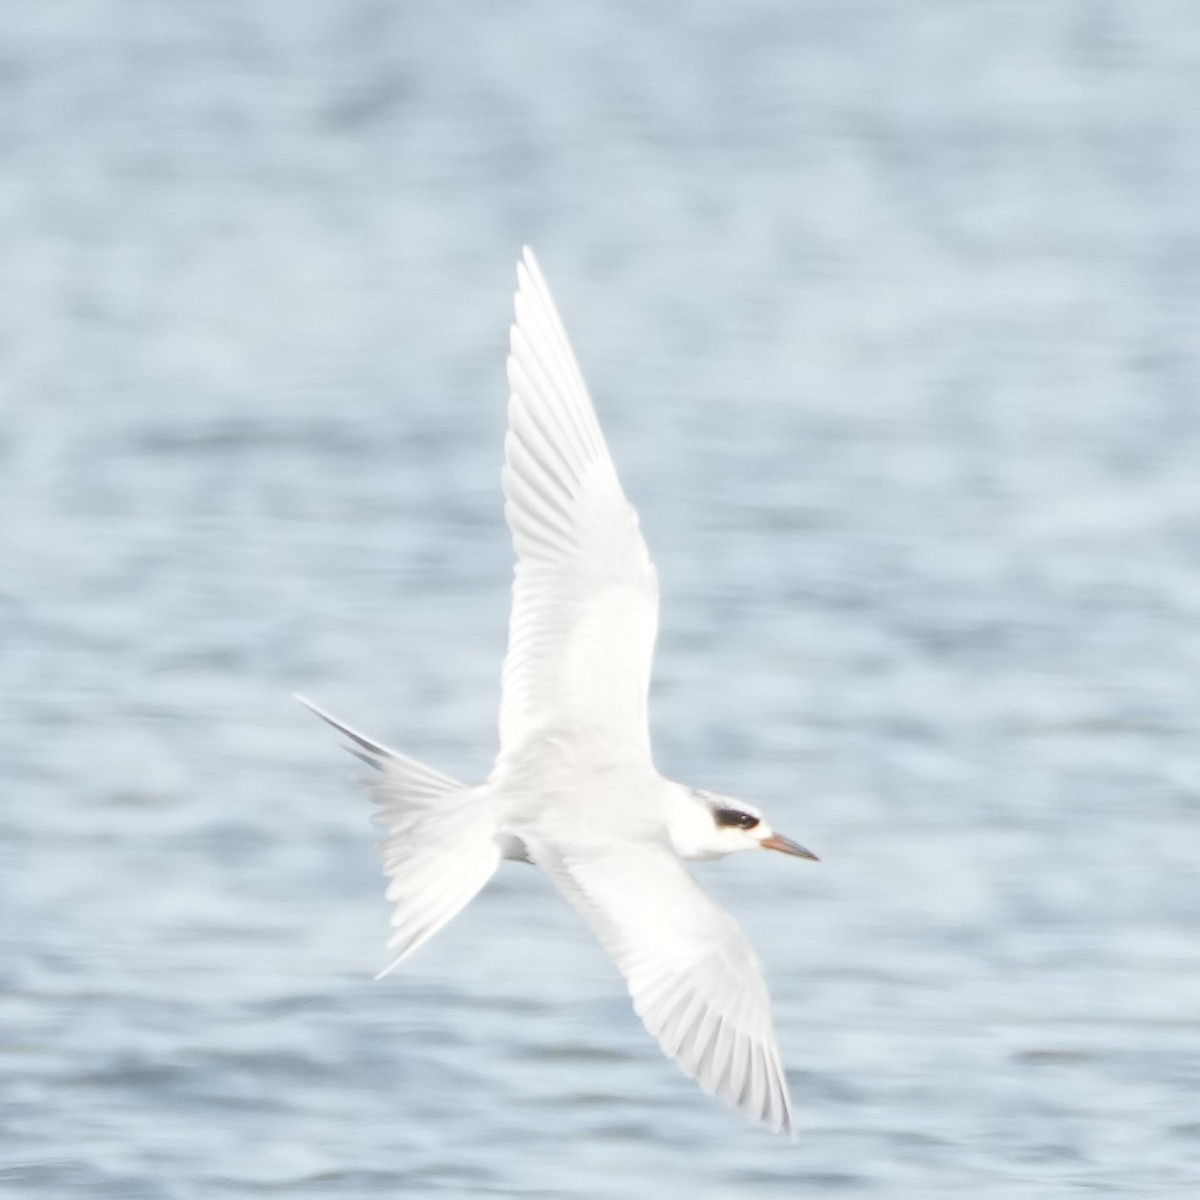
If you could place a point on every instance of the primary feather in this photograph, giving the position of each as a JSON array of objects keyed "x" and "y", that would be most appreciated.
[{"x": 693, "y": 977}]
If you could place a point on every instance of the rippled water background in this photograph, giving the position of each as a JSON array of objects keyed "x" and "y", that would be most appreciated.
[{"x": 891, "y": 312}]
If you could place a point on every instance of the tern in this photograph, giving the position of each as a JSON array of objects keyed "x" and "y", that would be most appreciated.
[{"x": 574, "y": 789}]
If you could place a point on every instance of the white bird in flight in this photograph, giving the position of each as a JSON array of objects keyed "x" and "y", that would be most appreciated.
[{"x": 574, "y": 789}]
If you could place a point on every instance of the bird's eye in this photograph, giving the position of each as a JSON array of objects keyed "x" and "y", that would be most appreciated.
[{"x": 734, "y": 817}]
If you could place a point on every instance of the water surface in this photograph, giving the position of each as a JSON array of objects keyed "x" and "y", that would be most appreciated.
[{"x": 890, "y": 312}]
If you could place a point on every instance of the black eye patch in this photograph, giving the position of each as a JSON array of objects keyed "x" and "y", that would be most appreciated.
[{"x": 734, "y": 817}]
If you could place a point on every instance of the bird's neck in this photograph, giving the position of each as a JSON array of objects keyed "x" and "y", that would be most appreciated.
[{"x": 691, "y": 828}]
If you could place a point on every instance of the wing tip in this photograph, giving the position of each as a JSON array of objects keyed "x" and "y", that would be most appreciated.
[
  {"x": 530, "y": 280},
  {"x": 787, "y": 1122},
  {"x": 392, "y": 965}
]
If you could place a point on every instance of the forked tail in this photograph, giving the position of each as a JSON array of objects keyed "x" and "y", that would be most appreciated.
[{"x": 440, "y": 843}]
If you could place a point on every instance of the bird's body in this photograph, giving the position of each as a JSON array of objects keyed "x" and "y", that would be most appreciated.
[{"x": 574, "y": 789}]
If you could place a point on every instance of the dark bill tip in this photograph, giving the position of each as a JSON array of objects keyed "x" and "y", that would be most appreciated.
[{"x": 786, "y": 846}]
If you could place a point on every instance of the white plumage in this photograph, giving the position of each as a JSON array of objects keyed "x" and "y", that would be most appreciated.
[
  {"x": 585, "y": 596},
  {"x": 574, "y": 789}
]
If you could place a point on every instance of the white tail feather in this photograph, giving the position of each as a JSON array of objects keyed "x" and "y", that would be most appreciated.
[{"x": 440, "y": 843}]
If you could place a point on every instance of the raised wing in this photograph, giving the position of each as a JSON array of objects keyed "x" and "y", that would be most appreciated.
[
  {"x": 585, "y": 596},
  {"x": 695, "y": 981}
]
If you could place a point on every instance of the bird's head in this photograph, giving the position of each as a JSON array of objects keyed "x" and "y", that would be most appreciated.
[{"x": 727, "y": 826}]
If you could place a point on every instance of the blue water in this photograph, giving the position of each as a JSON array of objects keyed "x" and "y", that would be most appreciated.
[{"x": 891, "y": 315}]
